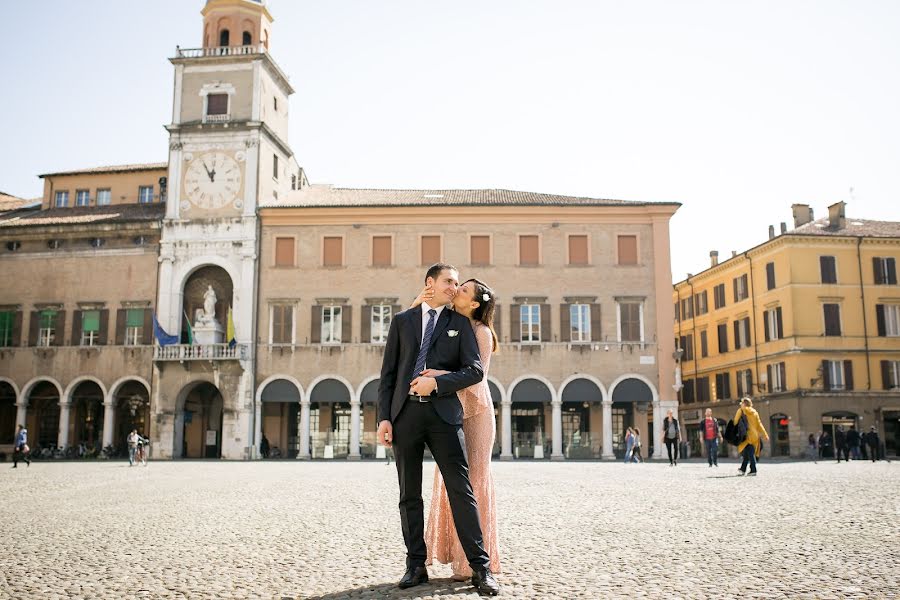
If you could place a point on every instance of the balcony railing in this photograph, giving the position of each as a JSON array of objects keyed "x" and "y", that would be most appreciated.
[
  {"x": 219, "y": 51},
  {"x": 182, "y": 352},
  {"x": 217, "y": 118}
]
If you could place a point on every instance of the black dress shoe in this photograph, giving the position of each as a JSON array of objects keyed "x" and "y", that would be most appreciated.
[
  {"x": 414, "y": 576},
  {"x": 485, "y": 583}
]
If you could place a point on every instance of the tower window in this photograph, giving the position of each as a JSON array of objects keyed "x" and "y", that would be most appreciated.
[
  {"x": 248, "y": 39},
  {"x": 275, "y": 103},
  {"x": 224, "y": 38},
  {"x": 275, "y": 166},
  {"x": 217, "y": 104}
]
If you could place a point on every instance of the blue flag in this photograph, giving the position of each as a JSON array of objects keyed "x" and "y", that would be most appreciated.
[{"x": 162, "y": 337}]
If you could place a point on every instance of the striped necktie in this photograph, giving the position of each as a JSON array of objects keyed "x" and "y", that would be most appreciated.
[{"x": 426, "y": 343}]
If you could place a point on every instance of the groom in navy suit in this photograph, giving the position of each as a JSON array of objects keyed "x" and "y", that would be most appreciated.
[{"x": 415, "y": 411}]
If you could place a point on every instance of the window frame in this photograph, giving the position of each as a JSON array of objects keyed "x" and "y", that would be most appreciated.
[
  {"x": 717, "y": 298},
  {"x": 82, "y": 194},
  {"x": 392, "y": 262},
  {"x": 840, "y": 320},
  {"x": 343, "y": 239},
  {"x": 134, "y": 335},
  {"x": 383, "y": 327},
  {"x": 834, "y": 269},
  {"x": 107, "y": 192},
  {"x": 534, "y": 328},
  {"x": 47, "y": 335},
  {"x": 61, "y": 194},
  {"x": 540, "y": 254},
  {"x": 335, "y": 312},
  {"x": 6, "y": 331},
  {"x": 584, "y": 334},
  {"x": 440, "y": 258},
  {"x": 283, "y": 306},
  {"x": 637, "y": 250},
  {"x": 275, "y": 251},
  {"x": 832, "y": 371},
  {"x": 141, "y": 194},
  {"x": 90, "y": 337}
]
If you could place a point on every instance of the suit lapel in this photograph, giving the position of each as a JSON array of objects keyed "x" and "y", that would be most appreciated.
[
  {"x": 416, "y": 316},
  {"x": 439, "y": 327}
]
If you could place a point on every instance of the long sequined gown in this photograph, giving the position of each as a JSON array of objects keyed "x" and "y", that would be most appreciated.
[{"x": 480, "y": 430}]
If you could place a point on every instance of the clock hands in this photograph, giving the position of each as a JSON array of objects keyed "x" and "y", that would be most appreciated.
[{"x": 211, "y": 174}]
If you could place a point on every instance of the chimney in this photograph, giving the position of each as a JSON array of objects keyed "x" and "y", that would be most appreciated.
[
  {"x": 836, "y": 219},
  {"x": 803, "y": 214},
  {"x": 733, "y": 253},
  {"x": 783, "y": 227},
  {"x": 771, "y": 231},
  {"x": 713, "y": 258}
]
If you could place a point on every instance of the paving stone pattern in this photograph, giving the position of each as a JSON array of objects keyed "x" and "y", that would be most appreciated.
[{"x": 330, "y": 530}]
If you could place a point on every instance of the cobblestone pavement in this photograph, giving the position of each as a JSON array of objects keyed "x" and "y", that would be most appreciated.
[{"x": 331, "y": 530}]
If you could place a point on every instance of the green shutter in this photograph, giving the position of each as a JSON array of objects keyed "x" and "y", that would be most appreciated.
[
  {"x": 134, "y": 317},
  {"x": 6, "y": 327},
  {"x": 48, "y": 319},
  {"x": 90, "y": 320}
]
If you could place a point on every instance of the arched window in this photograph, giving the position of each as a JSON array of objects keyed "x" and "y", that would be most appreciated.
[
  {"x": 223, "y": 38},
  {"x": 248, "y": 39}
]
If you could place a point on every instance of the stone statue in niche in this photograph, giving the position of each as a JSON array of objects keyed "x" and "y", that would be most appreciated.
[{"x": 208, "y": 316}]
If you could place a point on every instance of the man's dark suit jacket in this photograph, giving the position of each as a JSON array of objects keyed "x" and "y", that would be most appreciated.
[{"x": 455, "y": 353}]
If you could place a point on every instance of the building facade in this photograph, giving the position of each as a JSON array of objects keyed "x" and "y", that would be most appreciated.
[
  {"x": 807, "y": 323},
  {"x": 277, "y": 294}
]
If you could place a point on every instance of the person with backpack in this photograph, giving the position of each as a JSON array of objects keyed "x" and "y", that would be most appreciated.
[
  {"x": 672, "y": 435},
  {"x": 750, "y": 432}
]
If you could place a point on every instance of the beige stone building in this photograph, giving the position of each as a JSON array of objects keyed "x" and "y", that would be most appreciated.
[{"x": 277, "y": 294}]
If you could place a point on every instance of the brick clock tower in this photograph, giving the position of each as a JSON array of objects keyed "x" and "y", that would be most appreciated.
[{"x": 227, "y": 151}]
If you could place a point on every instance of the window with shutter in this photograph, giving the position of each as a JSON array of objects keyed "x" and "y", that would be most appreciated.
[
  {"x": 529, "y": 250},
  {"x": 333, "y": 251},
  {"x": 719, "y": 295},
  {"x": 217, "y": 104},
  {"x": 90, "y": 327},
  {"x": 832, "y": 313},
  {"x": 381, "y": 251},
  {"x": 827, "y": 269},
  {"x": 6, "y": 328},
  {"x": 331, "y": 328},
  {"x": 704, "y": 345},
  {"x": 770, "y": 276},
  {"x": 579, "y": 322},
  {"x": 431, "y": 250},
  {"x": 47, "y": 328},
  {"x": 722, "y": 331},
  {"x": 530, "y": 322},
  {"x": 480, "y": 250},
  {"x": 578, "y": 250},
  {"x": 282, "y": 324},
  {"x": 284, "y": 252},
  {"x": 134, "y": 326},
  {"x": 627, "y": 249},
  {"x": 380, "y": 323},
  {"x": 630, "y": 326}
]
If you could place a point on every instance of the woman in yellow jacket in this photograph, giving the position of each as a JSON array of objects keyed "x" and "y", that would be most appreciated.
[{"x": 750, "y": 447}]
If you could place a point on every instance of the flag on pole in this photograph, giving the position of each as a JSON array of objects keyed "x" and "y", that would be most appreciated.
[
  {"x": 190, "y": 330},
  {"x": 229, "y": 332},
  {"x": 162, "y": 337}
]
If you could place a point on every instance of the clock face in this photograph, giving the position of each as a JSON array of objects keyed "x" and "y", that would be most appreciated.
[{"x": 212, "y": 180}]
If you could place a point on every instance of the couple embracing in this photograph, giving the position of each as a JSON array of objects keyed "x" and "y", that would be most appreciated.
[{"x": 434, "y": 392}]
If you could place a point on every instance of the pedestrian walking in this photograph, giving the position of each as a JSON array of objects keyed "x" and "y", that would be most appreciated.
[
  {"x": 636, "y": 449},
  {"x": 840, "y": 444},
  {"x": 629, "y": 444},
  {"x": 812, "y": 450},
  {"x": 143, "y": 447},
  {"x": 132, "y": 441},
  {"x": 264, "y": 446},
  {"x": 853, "y": 442},
  {"x": 20, "y": 450},
  {"x": 711, "y": 438},
  {"x": 672, "y": 435},
  {"x": 873, "y": 443},
  {"x": 751, "y": 447}
]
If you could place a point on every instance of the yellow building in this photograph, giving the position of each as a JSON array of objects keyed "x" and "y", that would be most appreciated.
[{"x": 807, "y": 323}]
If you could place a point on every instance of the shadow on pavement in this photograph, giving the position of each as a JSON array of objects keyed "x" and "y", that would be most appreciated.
[{"x": 435, "y": 587}]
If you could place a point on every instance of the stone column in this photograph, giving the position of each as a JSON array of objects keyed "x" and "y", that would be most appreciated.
[
  {"x": 607, "y": 432},
  {"x": 506, "y": 432},
  {"x": 556, "y": 452},
  {"x": 109, "y": 421},
  {"x": 65, "y": 409},
  {"x": 657, "y": 429},
  {"x": 354, "y": 429},
  {"x": 304, "y": 430},
  {"x": 21, "y": 415}
]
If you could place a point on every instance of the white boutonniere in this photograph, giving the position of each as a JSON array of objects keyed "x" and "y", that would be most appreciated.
[{"x": 453, "y": 332}]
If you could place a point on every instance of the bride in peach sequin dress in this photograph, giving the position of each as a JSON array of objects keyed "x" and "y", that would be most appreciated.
[{"x": 475, "y": 300}]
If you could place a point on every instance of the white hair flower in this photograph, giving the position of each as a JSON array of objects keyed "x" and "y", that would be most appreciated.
[{"x": 486, "y": 297}]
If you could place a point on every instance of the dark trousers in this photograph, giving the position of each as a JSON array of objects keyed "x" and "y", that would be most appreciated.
[
  {"x": 873, "y": 452},
  {"x": 19, "y": 455},
  {"x": 670, "y": 444},
  {"x": 418, "y": 424},
  {"x": 749, "y": 455},
  {"x": 712, "y": 451},
  {"x": 845, "y": 450}
]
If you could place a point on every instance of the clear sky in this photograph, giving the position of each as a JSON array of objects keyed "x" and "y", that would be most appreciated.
[{"x": 735, "y": 109}]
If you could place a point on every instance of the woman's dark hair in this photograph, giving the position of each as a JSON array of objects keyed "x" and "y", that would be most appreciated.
[{"x": 485, "y": 311}]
